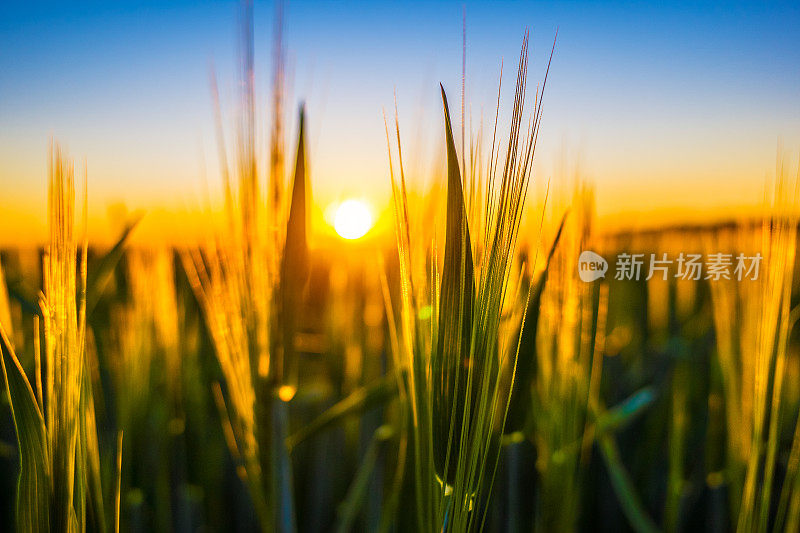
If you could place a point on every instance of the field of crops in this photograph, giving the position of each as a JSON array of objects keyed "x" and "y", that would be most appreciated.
[{"x": 467, "y": 370}]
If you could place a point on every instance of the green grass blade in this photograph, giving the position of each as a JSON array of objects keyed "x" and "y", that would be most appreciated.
[
  {"x": 624, "y": 412},
  {"x": 283, "y": 486},
  {"x": 457, "y": 299},
  {"x": 624, "y": 488},
  {"x": 608, "y": 422},
  {"x": 33, "y": 487},
  {"x": 294, "y": 266},
  {"x": 100, "y": 276},
  {"x": 90, "y": 456},
  {"x": 359, "y": 401},
  {"x": 356, "y": 494},
  {"x": 520, "y": 403}
]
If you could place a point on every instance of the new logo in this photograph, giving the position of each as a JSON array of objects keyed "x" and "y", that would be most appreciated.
[{"x": 591, "y": 266}]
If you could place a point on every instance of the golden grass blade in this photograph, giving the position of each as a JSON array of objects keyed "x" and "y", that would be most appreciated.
[
  {"x": 59, "y": 475},
  {"x": 118, "y": 489},
  {"x": 5, "y": 309}
]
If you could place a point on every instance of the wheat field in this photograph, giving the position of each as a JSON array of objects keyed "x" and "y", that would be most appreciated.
[{"x": 468, "y": 369}]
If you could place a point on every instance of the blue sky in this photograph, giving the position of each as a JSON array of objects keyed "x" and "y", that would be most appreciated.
[{"x": 678, "y": 107}]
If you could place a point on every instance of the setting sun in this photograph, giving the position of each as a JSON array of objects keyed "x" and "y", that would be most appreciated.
[{"x": 353, "y": 219}]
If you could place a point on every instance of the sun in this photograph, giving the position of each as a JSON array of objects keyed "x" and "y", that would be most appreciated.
[{"x": 352, "y": 219}]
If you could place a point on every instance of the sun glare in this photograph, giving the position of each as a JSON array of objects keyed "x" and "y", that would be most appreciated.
[{"x": 353, "y": 219}]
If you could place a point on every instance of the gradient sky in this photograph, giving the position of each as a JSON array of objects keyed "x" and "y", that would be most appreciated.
[{"x": 671, "y": 111}]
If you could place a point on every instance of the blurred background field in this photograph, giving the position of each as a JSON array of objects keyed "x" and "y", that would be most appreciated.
[{"x": 156, "y": 378}]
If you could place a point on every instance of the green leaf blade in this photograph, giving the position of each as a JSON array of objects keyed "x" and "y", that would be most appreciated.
[
  {"x": 457, "y": 299},
  {"x": 33, "y": 486}
]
